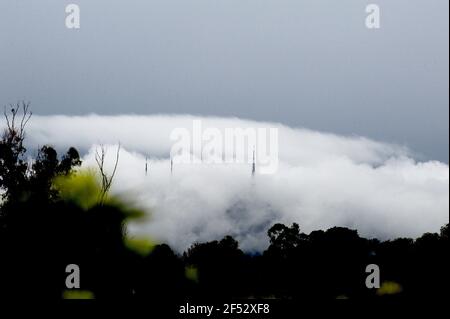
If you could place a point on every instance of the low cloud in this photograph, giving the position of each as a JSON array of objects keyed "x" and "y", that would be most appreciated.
[{"x": 323, "y": 180}]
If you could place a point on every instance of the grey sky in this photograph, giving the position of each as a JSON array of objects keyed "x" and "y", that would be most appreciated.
[{"x": 303, "y": 63}]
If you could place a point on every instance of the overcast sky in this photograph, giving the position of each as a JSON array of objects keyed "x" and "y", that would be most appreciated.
[{"x": 304, "y": 63}]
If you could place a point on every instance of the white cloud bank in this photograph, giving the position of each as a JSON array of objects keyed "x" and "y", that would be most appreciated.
[{"x": 323, "y": 180}]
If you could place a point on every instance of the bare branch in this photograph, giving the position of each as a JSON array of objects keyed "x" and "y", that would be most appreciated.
[
  {"x": 106, "y": 179},
  {"x": 15, "y": 128}
]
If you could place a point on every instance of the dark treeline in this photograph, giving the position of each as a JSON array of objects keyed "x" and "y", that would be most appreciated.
[{"x": 41, "y": 233}]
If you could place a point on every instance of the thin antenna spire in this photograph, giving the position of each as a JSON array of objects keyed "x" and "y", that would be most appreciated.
[
  {"x": 171, "y": 165},
  {"x": 254, "y": 163},
  {"x": 146, "y": 166}
]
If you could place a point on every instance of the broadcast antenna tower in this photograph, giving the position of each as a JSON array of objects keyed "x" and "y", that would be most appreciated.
[
  {"x": 146, "y": 166},
  {"x": 253, "y": 164}
]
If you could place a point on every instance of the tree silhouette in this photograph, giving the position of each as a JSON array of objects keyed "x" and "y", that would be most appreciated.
[{"x": 13, "y": 165}]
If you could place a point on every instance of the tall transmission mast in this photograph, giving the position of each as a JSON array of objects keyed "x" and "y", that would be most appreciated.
[
  {"x": 254, "y": 163},
  {"x": 146, "y": 166}
]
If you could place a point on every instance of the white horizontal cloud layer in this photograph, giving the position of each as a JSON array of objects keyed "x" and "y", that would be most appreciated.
[{"x": 323, "y": 180}]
